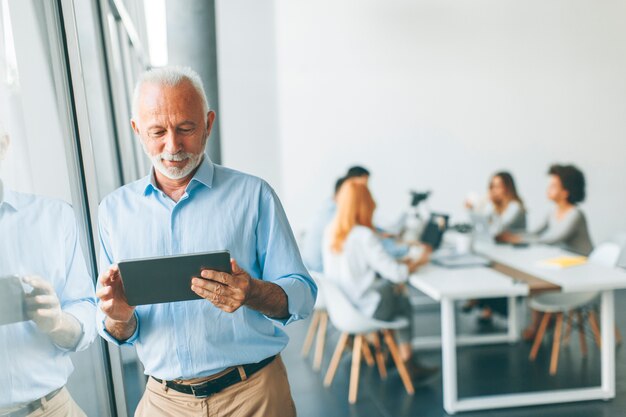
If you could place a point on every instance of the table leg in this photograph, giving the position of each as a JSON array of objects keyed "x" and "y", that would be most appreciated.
[
  {"x": 607, "y": 318},
  {"x": 448, "y": 352},
  {"x": 513, "y": 327}
]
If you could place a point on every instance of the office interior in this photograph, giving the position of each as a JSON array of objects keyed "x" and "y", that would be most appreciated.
[{"x": 429, "y": 96}]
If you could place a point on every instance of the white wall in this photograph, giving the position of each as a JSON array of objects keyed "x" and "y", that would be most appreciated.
[
  {"x": 247, "y": 88},
  {"x": 436, "y": 94}
]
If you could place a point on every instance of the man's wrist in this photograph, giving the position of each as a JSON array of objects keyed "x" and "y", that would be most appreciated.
[
  {"x": 115, "y": 322},
  {"x": 253, "y": 291}
]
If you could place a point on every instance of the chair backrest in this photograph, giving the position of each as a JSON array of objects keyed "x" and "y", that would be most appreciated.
[
  {"x": 320, "y": 301},
  {"x": 620, "y": 239},
  {"x": 606, "y": 254},
  {"x": 342, "y": 313}
]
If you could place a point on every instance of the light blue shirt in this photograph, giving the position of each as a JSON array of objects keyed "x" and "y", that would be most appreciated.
[
  {"x": 38, "y": 236},
  {"x": 220, "y": 209}
]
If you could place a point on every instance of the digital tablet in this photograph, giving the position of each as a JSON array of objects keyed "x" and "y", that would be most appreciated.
[
  {"x": 167, "y": 279},
  {"x": 12, "y": 309}
]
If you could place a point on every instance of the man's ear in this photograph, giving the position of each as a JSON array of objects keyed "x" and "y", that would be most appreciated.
[
  {"x": 210, "y": 119},
  {"x": 134, "y": 125}
]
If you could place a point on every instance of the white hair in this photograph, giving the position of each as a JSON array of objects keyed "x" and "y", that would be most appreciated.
[{"x": 170, "y": 76}]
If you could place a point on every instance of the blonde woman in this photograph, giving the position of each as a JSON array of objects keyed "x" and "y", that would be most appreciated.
[{"x": 356, "y": 260}]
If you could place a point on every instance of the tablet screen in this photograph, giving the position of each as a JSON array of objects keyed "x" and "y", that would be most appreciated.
[{"x": 167, "y": 279}]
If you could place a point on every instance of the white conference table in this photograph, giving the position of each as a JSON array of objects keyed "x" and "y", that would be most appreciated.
[{"x": 449, "y": 285}]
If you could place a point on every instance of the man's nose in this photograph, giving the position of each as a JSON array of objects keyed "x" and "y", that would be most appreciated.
[{"x": 173, "y": 144}]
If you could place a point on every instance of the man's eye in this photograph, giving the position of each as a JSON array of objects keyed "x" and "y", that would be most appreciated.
[
  {"x": 157, "y": 133},
  {"x": 185, "y": 130}
]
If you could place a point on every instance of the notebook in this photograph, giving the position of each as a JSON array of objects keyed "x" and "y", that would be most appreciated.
[{"x": 562, "y": 262}]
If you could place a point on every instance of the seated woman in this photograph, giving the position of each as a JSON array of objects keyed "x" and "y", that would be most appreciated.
[
  {"x": 504, "y": 213},
  {"x": 356, "y": 260},
  {"x": 565, "y": 227}
]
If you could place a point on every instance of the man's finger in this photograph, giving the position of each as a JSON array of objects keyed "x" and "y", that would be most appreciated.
[
  {"x": 217, "y": 276},
  {"x": 104, "y": 293},
  {"x": 40, "y": 300},
  {"x": 38, "y": 283},
  {"x": 235, "y": 267},
  {"x": 110, "y": 275},
  {"x": 46, "y": 312},
  {"x": 213, "y": 286}
]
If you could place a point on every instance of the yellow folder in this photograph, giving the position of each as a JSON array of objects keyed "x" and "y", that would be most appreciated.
[{"x": 564, "y": 262}]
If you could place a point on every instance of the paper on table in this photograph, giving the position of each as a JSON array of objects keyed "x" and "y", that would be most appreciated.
[{"x": 563, "y": 262}]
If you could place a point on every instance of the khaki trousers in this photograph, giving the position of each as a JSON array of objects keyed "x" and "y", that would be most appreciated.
[
  {"x": 62, "y": 405},
  {"x": 264, "y": 394}
]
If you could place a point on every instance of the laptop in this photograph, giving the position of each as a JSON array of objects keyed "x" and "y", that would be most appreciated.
[{"x": 434, "y": 230}]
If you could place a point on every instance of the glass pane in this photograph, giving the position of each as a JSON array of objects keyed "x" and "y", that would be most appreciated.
[{"x": 46, "y": 276}]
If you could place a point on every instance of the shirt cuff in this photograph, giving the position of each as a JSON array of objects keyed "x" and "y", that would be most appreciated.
[
  {"x": 300, "y": 300},
  {"x": 83, "y": 312},
  {"x": 110, "y": 338}
]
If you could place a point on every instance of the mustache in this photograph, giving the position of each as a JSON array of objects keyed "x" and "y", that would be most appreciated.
[{"x": 179, "y": 156}]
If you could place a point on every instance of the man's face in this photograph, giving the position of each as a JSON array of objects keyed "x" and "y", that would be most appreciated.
[{"x": 173, "y": 127}]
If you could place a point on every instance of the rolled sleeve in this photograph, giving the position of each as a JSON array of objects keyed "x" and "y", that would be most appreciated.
[
  {"x": 300, "y": 299},
  {"x": 84, "y": 312}
]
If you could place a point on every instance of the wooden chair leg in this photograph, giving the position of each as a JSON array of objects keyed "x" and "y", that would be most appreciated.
[
  {"x": 556, "y": 344},
  {"x": 568, "y": 329},
  {"x": 356, "y": 367},
  {"x": 321, "y": 340},
  {"x": 593, "y": 321},
  {"x": 334, "y": 362},
  {"x": 581, "y": 333},
  {"x": 618, "y": 337},
  {"x": 367, "y": 353},
  {"x": 539, "y": 336},
  {"x": 380, "y": 358},
  {"x": 308, "y": 341},
  {"x": 395, "y": 354}
]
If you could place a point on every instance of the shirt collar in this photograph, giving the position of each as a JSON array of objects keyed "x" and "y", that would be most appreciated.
[
  {"x": 203, "y": 175},
  {"x": 8, "y": 198}
]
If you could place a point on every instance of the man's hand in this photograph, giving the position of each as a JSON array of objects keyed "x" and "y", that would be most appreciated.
[
  {"x": 42, "y": 304},
  {"x": 229, "y": 292},
  {"x": 44, "y": 308},
  {"x": 112, "y": 297},
  {"x": 424, "y": 258},
  {"x": 226, "y": 291}
]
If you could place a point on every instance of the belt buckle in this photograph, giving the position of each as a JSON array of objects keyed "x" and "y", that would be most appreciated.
[{"x": 196, "y": 394}]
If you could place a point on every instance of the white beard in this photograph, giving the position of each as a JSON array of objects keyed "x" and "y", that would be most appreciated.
[{"x": 174, "y": 173}]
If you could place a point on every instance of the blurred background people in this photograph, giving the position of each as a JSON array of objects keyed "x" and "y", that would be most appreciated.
[
  {"x": 356, "y": 260},
  {"x": 504, "y": 212},
  {"x": 566, "y": 226}
]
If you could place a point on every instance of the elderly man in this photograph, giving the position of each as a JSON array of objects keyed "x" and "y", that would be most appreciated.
[
  {"x": 219, "y": 355},
  {"x": 39, "y": 243}
]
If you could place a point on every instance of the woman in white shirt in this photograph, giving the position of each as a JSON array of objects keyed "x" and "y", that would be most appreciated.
[
  {"x": 505, "y": 213},
  {"x": 356, "y": 260}
]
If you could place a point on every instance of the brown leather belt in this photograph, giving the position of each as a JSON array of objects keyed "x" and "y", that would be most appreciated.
[
  {"x": 213, "y": 386},
  {"x": 32, "y": 406}
]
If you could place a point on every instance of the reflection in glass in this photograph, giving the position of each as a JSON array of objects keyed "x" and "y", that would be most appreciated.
[{"x": 48, "y": 306}]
